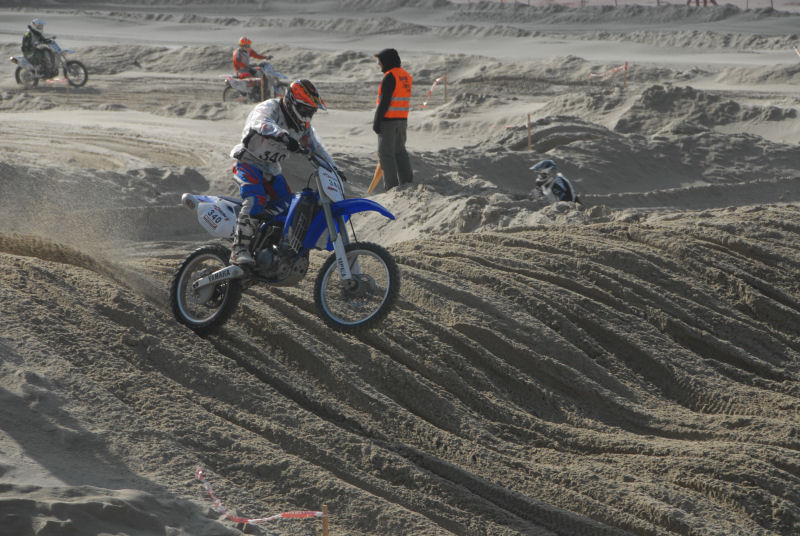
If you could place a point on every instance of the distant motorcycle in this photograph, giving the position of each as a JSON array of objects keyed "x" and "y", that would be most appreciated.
[
  {"x": 53, "y": 59},
  {"x": 244, "y": 90}
]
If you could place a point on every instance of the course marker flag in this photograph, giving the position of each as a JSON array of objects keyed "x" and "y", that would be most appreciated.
[
  {"x": 615, "y": 70},
  {"x": 236, "y": 519},
  {"x": 376, "y": 178},
  {"x": 430, "y": 91},
  {"x": 64, "y": 81}
]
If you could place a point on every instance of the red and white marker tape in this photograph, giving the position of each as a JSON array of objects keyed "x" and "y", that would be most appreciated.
[
  {"x": 218, "y": 505},
  {"x": 623, "y": 67},
  {"x": 430, "y": 91}
]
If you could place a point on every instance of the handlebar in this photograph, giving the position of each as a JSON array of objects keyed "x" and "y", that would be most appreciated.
[{"x": 318, "y": 161}]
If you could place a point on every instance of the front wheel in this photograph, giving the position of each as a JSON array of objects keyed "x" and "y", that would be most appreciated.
[
  {"x": 232, "y": 95},
  {"x": 26, "y": 78},
  {"x": 207, "y": 308},
  {"x": 75, "y": 73},
  {"x": 354, "y": 305}
]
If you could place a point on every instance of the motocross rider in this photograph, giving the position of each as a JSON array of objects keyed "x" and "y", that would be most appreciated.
[
  {"x": 274, "y": 129},
  {"x": 242, "y": 57},
  {"x": 30, "y": 41},
  {"x": 551, "y": 184}
]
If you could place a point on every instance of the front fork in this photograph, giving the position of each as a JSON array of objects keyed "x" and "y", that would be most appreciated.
[{"x": 339, "y": 242}]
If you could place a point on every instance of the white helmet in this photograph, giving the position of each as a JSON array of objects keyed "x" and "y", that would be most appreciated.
[
  {"x": 546, "y": 171},
  {"x": 38, "y": 24}
]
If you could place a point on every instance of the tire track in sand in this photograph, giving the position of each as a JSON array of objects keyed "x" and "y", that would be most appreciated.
[{"x": 634, "y": 377}]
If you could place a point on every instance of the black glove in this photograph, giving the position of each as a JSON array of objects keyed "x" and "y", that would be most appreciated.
[
  {"x": 376, "y": 126},
  {"x": 292, "y": 144}
]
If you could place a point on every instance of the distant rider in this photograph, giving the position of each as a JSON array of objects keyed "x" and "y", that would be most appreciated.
[
  {"x": 31, "y": 41},
  {"x": 274, "y": 129},
  {"x": 242, "y": 57},
  {"x": 551, "y": 184}
]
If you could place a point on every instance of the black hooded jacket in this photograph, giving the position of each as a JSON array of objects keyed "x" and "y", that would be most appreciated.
[
  {"x": 29, "y": 41},
  {"x": 389, "y": 60}
]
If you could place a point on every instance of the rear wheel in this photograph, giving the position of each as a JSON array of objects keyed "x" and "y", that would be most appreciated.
[
  {"x": 75, "y": 73},
  {"x": 208, "y": 307},
  {"x": 360, "y": 303},
  {"x": 26, "y": 78}
]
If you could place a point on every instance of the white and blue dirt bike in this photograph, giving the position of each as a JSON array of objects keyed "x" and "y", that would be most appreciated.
[
  {"x": 355, "y": 288},
  {"x": 53, "y": 59}
]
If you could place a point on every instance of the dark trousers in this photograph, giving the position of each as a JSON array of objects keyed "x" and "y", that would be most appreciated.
[
  {"x": 35, "y": 56},
  {"x": 392, "y": 153}
]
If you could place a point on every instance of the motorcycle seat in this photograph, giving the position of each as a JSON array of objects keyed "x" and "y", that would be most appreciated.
[{"x": 236, "y": 200}]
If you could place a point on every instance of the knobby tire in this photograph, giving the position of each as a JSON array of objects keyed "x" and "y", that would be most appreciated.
[
  {"x": 383, "y": 310},
  {"x": 230, "y": 301}
]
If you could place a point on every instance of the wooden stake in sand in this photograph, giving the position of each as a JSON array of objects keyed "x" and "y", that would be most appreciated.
[
  {"x": 376, "y": 178},
  {"x": 61, "y": 81},
  {"x": 625, "y": 76},
  {"x": 529, "y": 132}
]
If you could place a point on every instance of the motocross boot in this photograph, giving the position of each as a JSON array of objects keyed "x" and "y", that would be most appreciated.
[{"x": 245, "y": 231}]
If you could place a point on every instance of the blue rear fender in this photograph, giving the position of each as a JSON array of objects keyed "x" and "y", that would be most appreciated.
[{"x": 341, "y": 208}]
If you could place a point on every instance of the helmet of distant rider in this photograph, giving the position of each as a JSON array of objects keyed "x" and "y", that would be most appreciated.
[
  {"x": 546, "y": 169},
  {"x": 302, "y": 100},
  {"x": 38, "y": 24},
  {"x": 244, "y": 41}
]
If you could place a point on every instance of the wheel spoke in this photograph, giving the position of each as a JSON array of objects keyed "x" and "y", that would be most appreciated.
[{"x": 355, "y": 301}]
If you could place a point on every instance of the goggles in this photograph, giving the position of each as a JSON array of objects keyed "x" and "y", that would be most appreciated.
[{"x": 305, "y": 110}]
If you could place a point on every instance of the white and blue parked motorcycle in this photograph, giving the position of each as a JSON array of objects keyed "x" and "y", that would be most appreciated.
[
  {"x": 355, "y": 288},
  {"x": 53, "y": 59}
]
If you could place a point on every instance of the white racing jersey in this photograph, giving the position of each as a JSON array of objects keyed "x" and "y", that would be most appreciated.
[{"x": 260, "y": 147}]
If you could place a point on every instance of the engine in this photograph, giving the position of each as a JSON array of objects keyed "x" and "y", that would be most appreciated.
[{"x": 281, "y": 267}]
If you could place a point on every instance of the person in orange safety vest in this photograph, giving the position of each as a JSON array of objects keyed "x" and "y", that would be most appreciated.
[{"x": 391, "y": 120}]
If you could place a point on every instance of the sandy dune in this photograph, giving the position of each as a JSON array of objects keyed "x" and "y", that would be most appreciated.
[{"x": 625, "y": 366}]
